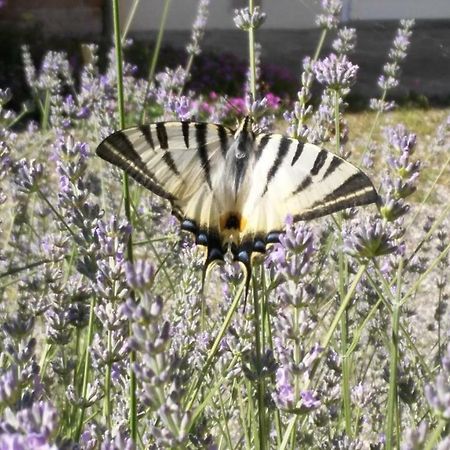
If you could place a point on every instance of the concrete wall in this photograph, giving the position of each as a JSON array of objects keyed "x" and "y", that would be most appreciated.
[{"x": 281, "y": 14}]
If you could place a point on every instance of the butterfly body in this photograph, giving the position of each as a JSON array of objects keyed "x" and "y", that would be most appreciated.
[{"x": 234, "y": 189}]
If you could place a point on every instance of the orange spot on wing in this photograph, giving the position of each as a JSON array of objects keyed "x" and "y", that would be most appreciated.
[{"x": 232, "y": 221}]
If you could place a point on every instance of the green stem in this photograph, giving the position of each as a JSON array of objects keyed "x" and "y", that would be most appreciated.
[
  {"x": 17, "y": 269},
  {"x": 107, "y": 404},
  {"x": 432, "y": 441},
  {"x": 346, "y": 360},
  {"x": 251, "y": 53},
  {"x": 90, "y": 332},
  {"x": 392, "y": 405},
  {"x": 374, "y": 124},
  {"x": 154, "y": 61},
  {"x": 323, "y": 35},
  {"x": 215, "y": 346},
  {"x": 127, "y": 203},
  {"x": 46, "y": 111},
  {"x": 430, "y": 191},
  {"x": 344, "y": 305},
  {"x": 260, "y": 381},
  {"x": 56, "y": 213},
  {"x": 129, "y": 21}
]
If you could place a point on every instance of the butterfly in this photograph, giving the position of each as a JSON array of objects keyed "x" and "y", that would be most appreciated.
[{"x": 233, "y": 189}]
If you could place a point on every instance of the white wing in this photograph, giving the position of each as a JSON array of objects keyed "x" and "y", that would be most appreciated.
[
  {"x": 180, "y": 161},
  {"x": 302, "y": 180}
]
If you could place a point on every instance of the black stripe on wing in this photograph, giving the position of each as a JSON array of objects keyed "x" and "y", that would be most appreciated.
[
  {"x": 283, "y": 148},
  {"x": 298, "y": 152},
  {"x": 357, "y": 190},
  {"x": 201, "y": 131},
  {"x": 319, "y": 162},
  {"x": 161, "y": 132},
  {"x": 223, "y": 138},
  {"x": 334, "y": 164},
  {"x": 264, "y": 141},
  {"x": 147, "y": 132},
  {"x": 118, "y": 150},
  {"x": 185, "y": 130}
]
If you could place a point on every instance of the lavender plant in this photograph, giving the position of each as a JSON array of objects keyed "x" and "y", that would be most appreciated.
[{"x": 108, "y": 339}]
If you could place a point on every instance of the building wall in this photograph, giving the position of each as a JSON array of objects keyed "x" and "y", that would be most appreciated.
[
  {"x": 62, "y": 17},
  {"x": 281, "y": 14}
]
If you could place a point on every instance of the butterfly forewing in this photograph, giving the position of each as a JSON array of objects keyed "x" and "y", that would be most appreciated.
[{"x": 176, "y": 160}]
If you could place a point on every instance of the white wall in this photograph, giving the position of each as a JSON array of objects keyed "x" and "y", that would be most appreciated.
[
  {"x": 399, "y": 9},
  {"x": 281, "y": 14}
]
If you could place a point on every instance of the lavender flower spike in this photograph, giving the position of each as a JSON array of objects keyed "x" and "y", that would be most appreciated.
[
  {"x": 244, "y": 20},
  {"x": 329, "y": 20},
  {"x": 335, "y": 73},
  {"x": 198, "y": 28}
]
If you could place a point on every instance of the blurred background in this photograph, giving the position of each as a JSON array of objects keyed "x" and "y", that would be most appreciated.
[{"x": 287, "y": 36}]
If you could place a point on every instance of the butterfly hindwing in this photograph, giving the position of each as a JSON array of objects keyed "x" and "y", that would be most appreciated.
[{"x": 302, "y": 180}]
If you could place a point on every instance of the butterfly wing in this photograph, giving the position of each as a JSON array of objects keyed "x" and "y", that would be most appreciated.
[
  {"x": 302, "y": 180},
  {"x": 179, "y": 161}
]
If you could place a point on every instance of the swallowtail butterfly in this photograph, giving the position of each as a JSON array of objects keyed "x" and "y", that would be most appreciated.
[{"x": 234, "y": 189}]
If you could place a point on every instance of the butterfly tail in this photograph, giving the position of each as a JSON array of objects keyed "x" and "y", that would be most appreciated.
[
  {"x": 243, "y": 255},
  {"x": 214, "y": 255}
]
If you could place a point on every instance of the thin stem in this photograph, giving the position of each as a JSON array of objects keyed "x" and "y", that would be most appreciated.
[
  {"x": 260, "y": 380},
  {"x": 17, "y": 269},
  {"x": 323, "y": 35},
  {"x": 374, "y": 124},
  {"x": 432, "y": 441},
  {"x": 129, "y": 21},
  {"x": 57, "y": 214},
  {"x": 430, "y": 191},
  {"x": 87, "y": 366},
  {"x": 107, "y": 404},
  {"x": 127, "y": 203},
  {"x": 344, "y": 305},
  {"x": 346, "y": 397},
  {"x": 215, "y": 346},
  {"x": 46, "y": 111},
  {"x": 251, "y": 53},
  {"x": 154, "y": 61},
  {"x": 393, "y": 368}
]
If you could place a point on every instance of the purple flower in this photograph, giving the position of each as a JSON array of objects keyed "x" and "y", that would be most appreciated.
[
  {"x": 291, "y": 258},
  {"x": 309, "y": 400},
  {"x": 289, "y": 394},
  {"x": 284, "y": 396},
  {"x": 345, "y": 41},
  {"x": 181, "y": 106},
  {"x": 400, "y": 139},
  {"x": 244, "y": 20},
  {"x": 139, "y": 274},
  {"x": 391, "y": 70},
  {"x": 29, "y": 175},
  {"x": 370, "y": 237},
  {"x": 198, "y": 28},
  {"x": 335, "y": 72},
  {"x": 32, "y": 428},
  {"x": 331, "y": 13}
]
